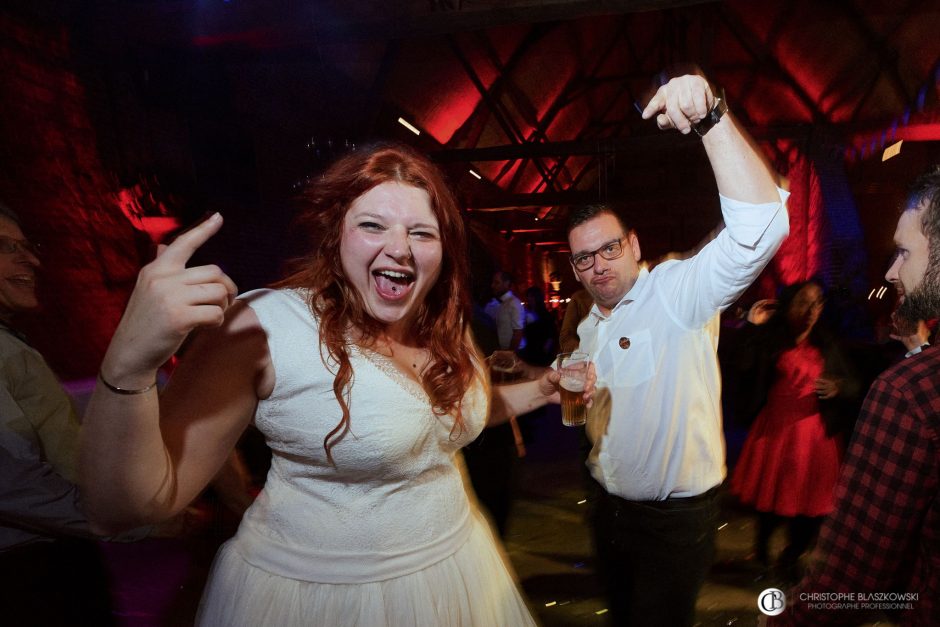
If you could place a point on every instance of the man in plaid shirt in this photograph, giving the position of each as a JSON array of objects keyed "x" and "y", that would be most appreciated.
[{"x": 879, "y": 551}]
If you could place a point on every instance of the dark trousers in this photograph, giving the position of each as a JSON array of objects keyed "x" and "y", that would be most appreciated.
[
  {"x": 801, "y": 533},
  {"x": 653, "y": 556},
  {"x": 491, "y": 463}
]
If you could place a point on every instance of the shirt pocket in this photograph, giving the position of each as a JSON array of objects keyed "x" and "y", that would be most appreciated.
[{"x": 627, "y": 367}]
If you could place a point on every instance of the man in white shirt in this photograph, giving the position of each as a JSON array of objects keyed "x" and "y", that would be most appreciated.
[
  {"x": 655, "y": 427},
  {"x": 509, "y": 316}
]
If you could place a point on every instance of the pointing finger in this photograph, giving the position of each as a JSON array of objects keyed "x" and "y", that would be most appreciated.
[
  {"x": 183, "y": 247},
  {"x": 655, "y": 105}
]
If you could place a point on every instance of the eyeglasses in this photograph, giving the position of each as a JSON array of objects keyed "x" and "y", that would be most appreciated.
[
  {"x": 10, "y": 246},
  {"x": 609, "y": 251}
]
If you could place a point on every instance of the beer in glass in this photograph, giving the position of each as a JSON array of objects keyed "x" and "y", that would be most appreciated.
[{"x": 573, "y": 368}]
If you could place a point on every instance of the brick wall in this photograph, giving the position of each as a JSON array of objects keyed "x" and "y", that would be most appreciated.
[{"x": 53, "y": 177}]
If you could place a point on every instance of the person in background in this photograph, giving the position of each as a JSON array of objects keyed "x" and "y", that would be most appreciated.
[
  {"x": 509, "y": 317},
  {"x": 884, "y": 535},
  {"x": 540, "y": 337},
  {"x": 51, "y": 571},
  {"x": 576, "y": 311},
  {"x": 141, "y": 577},
  {"x": 804, "y": 394},
  {"x": 360, "y": 370},
  {"x": 913, "y": 336},
  {"x": 658, "y": 455},
  {"x": 491, "y": 458}
]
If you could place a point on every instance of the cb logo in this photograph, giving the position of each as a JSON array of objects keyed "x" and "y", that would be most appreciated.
[{"x": 772, "y": 601}]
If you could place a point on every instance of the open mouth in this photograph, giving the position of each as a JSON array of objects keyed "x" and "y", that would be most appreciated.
[
  {"x": 23, "y": 280},
  {"x": 392, "y": 284}
]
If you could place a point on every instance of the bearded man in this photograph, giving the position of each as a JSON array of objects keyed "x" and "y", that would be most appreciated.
[{"x": 882, "y": 543}]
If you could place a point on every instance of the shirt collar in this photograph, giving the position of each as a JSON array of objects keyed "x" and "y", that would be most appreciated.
[
  {"x": 506, "y": 296},
  {"x": 629, "y": 297},
  {"x": 13, "y": 332}
]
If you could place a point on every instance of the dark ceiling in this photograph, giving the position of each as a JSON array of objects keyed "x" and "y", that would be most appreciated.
[
  {"x": 539, "y": 97},
  {"x": 114, "y": 108}
]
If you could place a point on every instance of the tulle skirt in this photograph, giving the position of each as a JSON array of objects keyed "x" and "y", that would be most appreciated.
[{"x": 472, "y": 587}]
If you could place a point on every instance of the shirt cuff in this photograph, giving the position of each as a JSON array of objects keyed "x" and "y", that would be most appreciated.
[{"x": 747, "y": 222}]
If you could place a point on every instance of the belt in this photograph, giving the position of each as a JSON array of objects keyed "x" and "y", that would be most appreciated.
[{"x": 672, "y": 503}]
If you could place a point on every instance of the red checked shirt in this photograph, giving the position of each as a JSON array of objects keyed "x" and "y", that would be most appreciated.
[{"x": 884, "y": 536}]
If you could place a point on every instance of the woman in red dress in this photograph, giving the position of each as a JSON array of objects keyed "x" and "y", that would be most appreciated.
[{"x": 790, "y": 461}]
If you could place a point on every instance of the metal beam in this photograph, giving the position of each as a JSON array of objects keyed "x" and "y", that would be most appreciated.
[
  {"x": 529, "y": 150},
  {"x": 766, "y": 59},
  {"x": 421, "y": 18},
  {"x": 293, "y": 23},
  {"x": 639, "y": 144},
  {"x": 571, "y": 197}
]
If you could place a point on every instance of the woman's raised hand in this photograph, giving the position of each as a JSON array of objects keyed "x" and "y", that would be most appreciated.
[
  {"x": 168, "y": 302},
  {"x": 761, "y": 311}
]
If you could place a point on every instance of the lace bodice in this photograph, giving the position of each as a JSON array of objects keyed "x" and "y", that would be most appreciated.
[{"x": 395, "y": 491}]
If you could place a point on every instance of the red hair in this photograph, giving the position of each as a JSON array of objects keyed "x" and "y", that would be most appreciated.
[{"x": 441, "y": 325}]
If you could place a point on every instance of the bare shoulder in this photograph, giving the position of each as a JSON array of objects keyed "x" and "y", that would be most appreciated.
[
  {"x": 241, "y": 321},
  {"x": 232, "y": 355}
]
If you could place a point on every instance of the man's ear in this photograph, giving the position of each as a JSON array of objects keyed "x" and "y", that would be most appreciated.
[
  {"x": 634, "y": 245},
  {"x": 577, "y": 277}
]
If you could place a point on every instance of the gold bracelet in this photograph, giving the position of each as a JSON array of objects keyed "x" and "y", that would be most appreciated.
[{"x": 124, "y": 391}]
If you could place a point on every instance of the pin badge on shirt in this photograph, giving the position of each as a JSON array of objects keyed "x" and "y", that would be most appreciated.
[{"x": 624, "y": 343}]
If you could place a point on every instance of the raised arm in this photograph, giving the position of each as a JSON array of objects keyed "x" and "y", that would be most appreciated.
[
  {"x": 740, "y": 168},
  {"x": 143, "y": 458},
  {"x": 753, "y": 208}
]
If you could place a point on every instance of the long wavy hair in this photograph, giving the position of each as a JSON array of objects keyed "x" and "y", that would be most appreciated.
[{"x": 441, "y": 325}]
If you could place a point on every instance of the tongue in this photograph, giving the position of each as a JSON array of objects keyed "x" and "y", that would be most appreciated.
[{"x": 390, "y": 289}]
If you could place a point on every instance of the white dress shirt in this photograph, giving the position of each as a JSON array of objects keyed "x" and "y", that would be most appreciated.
[
  {"x": 917, "y": 350},
  {"x": 509, "y": 318},
  {"x": 656, "y": 420}
]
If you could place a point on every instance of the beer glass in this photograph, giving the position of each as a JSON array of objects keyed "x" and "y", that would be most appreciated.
[{"x": 573, "y": 368}]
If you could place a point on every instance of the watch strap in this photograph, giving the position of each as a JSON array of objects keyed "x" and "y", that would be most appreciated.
[{"x": 719, "y": 108}]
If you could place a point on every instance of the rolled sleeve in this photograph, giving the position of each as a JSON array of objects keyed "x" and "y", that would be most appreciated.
[
  {"x": 694, "y": 290},
  {"x": 749, "y": 224}
]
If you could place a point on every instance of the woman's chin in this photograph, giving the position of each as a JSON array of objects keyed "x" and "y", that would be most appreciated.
[{"x": 389, "y": 314}]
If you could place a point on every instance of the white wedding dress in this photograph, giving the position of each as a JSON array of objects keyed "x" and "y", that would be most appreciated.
[{"x": 387, "y": 536}]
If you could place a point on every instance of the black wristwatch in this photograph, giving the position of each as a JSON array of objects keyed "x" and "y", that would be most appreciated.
[{"x": 718, "y": 109}]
